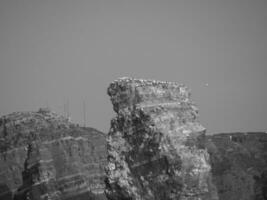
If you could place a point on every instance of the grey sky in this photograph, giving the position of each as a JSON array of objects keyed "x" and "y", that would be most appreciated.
[{"x": 55, "y": 51}]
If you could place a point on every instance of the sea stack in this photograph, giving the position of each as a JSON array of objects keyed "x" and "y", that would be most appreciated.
[{"x": 156, "y": 145}]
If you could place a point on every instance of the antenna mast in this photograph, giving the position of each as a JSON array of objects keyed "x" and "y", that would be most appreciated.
[
  {"x": 84, "y": 114},
  {"x": 64, "y": 110},
  {"x": 68, "y": 109}
]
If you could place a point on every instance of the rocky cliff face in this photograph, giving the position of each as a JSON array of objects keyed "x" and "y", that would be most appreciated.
[
  {"x": 239, "y": 165},
  {"x": 156, "y": 146},
  {"x": 157, "y": 150},
  {"x": 44, "y": 156}
]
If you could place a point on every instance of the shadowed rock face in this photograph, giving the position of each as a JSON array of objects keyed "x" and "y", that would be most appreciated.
[
  {"x": 44, "y": 156},
  {"x": 156, "y": 146},
  {"x": 239, "y": 165}
]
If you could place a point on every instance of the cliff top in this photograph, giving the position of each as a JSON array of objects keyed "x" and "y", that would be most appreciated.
[
  {"x": 32, "y": 121},
  {"x": 126, "y": 93},
  {"x": 145, "y": 82},
  {"x": 20, "y": 128}
]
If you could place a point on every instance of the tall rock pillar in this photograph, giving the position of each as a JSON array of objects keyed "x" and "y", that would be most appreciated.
[{"x": 156, "y": 144}]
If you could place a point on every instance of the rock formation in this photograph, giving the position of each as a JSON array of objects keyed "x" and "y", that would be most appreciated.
[
  {"x": 239, "y": 165},
  {"x": 157, "y": 150},
  {"x": 43, "y": 156},
  {"x": 156, "y": 146}
]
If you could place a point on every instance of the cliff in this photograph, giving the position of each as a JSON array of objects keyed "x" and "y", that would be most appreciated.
[
  {"x": 239, "y": 165},
  {"x": 44, "y": 156},
  {"x": 156, "y": 146},
  {"x": 158, "y": 150}
]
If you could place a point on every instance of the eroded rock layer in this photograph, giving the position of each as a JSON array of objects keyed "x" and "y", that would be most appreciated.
[
  {"x": 44, "y": 156},
  {"x": 156, "y": 144}
]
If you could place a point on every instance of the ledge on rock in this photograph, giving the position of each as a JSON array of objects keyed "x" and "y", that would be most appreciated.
[{"x": 156, "y": 144}]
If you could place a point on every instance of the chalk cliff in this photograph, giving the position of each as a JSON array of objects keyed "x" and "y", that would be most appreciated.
[
  {"x": 156, "y": 146},
  {"x": 44, "y": 156}
]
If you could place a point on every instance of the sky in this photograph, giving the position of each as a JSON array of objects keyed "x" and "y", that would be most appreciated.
[{"x": 61, "y": 52}]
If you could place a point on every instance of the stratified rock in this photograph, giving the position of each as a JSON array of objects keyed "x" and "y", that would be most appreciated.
[
  {"x": 44, "y": 156},
  {"x": 239, "y": 165},
  {"x": 156, "y": 144}
]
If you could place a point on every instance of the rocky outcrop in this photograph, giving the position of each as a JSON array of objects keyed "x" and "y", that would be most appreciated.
[
  {"x": 44, "y": 156},
  {"x": 157, "y": 150},
  {"x": 156, "y": 146},
  {"x": 239, "y": 165}
]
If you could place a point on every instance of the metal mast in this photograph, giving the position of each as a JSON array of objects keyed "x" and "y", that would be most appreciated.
[{"x": 84, "y": 114}]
